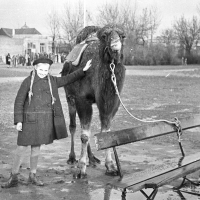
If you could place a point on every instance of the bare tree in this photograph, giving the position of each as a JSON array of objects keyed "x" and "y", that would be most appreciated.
[
  {"x": 169, "y": 40},
  {"x": 122, "y": 14},
  {"x": 154, "y": 21},
  {"x": 148, "y": 22},
  {"x": 187, "y": 32},
  {"x": 143, "y": 27},
  {"x": 138, "y": 27},
  {"x": 73, "y": 20},
  {"x": 54, "y": 26},
  {"x": 116, "y": 13},
  {"x": 198, "y": 8},
  {"x": 108, "y": 14},
  {"x": 168, "y": 37}
]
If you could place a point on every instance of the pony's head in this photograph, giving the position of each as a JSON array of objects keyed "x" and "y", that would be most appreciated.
[{"x": 111, "y": 43}]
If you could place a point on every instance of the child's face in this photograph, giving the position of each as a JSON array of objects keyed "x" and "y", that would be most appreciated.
[{"x": 42, "y": 69}]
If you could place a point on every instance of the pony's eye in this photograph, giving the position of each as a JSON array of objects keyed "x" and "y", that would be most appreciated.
[
  {"x": 123, "y": 36},
  {"x": 103, "y": 36}
]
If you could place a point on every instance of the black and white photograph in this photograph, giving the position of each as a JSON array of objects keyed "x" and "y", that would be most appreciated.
[{"x": 100, "y": 100}]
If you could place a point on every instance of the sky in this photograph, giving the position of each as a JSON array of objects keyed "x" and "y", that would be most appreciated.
[{"x": 15, "y": 13}]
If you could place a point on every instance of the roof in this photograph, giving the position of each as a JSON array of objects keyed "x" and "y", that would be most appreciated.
[
  {"x": 25, "y": 26},
  {"x": 21, "y": 31},
  {"x": 6, "y": 32},
  {"x": 25, "y": 31}
]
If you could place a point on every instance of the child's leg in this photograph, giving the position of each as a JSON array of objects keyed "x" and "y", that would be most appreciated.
[
  {"x": 35, "y": 152},
  {"x": 18, "y": 158}
]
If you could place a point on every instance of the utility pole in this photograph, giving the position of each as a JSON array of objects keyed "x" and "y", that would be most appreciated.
[{"x": 84, "y": 14}]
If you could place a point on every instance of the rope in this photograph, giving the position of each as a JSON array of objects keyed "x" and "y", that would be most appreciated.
[
  {"x": 176, "y": 123},
  {"x": 113, "y": 78}
]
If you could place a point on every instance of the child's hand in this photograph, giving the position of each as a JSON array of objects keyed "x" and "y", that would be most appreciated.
[
  {"x": 88, "y": 65},
  {"x": 19, "y": 126}
]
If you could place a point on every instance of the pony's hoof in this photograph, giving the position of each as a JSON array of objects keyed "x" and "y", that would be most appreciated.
[
  {"x": 80, "y": 176},
  {"x": 112, "y": 173},
  {"x": 72, "y": 161},
  {"x": 94, "y": 161},
  {"x": 110, "y": 169}
]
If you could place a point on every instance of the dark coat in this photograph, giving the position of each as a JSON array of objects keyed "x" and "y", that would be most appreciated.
[
  {"x": 42, "y": 122},
  {"x": 8, "y": 59}
]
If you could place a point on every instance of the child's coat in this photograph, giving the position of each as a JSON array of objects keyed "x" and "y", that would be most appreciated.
[{"x": 42, "y": 122}]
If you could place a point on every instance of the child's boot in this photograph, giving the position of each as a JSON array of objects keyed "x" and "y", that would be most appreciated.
[
  {"x": 33, "y": 179},
  {"x": 12, "y": 181}
]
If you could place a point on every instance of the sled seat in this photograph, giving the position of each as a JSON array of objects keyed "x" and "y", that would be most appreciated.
[
  {"x": 75, "y": 54},
  {"x": 159, "y": 175}
]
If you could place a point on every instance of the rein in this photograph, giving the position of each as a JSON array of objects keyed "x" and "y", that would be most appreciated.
[
  {"x": 176, "y": 124},
  {"x": 113, "y": 78}
]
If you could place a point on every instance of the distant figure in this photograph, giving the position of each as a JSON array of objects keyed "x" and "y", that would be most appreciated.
[
  {"x": 183, "y": 61},
  {"x": 186, "y": 61},
  {"x": 8, "y": 60},
  {"x": 23, "y": 60},
  {"x": 14, "y": 61},
  {"x": 26, "y": 59}
]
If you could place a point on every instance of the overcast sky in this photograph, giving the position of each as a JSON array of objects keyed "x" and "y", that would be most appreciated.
[{"x": 14, "y": 13}]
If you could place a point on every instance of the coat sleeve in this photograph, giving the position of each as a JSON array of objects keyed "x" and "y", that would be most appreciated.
[
  {"x": 19, "y": 102},
  {"x": 70, "y": 78}
]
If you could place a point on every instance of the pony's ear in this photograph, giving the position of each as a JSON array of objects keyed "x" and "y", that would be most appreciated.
[
  {"x": 99, "y": 34},
  {"x": 121, "y": 33}
]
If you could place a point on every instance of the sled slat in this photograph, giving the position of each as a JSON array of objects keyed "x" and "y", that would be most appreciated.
[
  {"x": 116, "y": 138},
  {"x": 156, "y": 176}
]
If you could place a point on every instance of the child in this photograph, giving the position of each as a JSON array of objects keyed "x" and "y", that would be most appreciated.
[{"x": 38, "y": 115}]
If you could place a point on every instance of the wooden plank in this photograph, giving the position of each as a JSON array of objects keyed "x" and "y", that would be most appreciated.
[
  {"x": 116, "y": 138},
  {"x": 160, "y": 175}
]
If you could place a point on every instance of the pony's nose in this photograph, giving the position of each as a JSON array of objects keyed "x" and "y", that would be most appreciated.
[{"x": 116, "y": 45}]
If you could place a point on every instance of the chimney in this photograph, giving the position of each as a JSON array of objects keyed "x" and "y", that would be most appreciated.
[{"x": 13, "y": 32}]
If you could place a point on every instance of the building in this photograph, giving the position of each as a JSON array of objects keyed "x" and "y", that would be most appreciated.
[{"x": 22, "y": 41}]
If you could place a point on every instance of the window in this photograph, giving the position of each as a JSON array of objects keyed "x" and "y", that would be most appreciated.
[
  {"x": 31, "y": 45},
  {"x": 42, "y": 48}
]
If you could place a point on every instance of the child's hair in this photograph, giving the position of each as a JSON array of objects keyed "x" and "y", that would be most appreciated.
[{"x": 30, "y": 93}]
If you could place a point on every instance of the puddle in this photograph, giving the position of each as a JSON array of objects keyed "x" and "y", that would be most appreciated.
[
  {"x": 153, "y": 106},
  {"x": 194, "y": 129},
  {"x": 102, "y": 194},
  {"x": 141, "y": 159},
  {"x": 183, "y": 110}
]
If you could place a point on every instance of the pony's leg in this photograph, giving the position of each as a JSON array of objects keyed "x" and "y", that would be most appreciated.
[
  {"x": 85, "y": 136},
  {"x": 72, "y": 128},
  {"x": 109, "y": 164},
  {"x": 84, "y": 109},
  {"x": 92, "y": 159}
]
